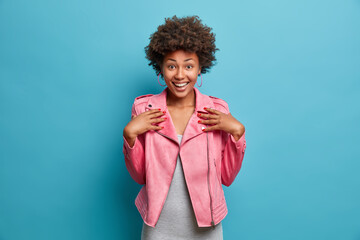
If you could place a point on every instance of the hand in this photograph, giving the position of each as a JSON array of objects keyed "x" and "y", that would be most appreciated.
[
  {"x": 143, "y": 122},
  {"x": 218, "y": 120}
]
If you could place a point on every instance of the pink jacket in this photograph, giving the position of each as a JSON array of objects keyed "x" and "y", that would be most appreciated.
[{"x": 209, "y": 159}]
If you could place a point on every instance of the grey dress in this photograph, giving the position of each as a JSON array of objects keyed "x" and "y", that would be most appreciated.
[{"x": 177, "y": 219}]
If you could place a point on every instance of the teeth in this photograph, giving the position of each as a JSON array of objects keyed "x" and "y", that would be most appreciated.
[{"x": 180, "y": 85}]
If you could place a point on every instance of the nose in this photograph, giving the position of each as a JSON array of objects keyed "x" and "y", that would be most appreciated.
[{"x": 179, "y": 74}]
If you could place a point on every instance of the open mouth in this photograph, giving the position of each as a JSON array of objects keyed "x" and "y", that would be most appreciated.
[{"x": 180, "y": 85}]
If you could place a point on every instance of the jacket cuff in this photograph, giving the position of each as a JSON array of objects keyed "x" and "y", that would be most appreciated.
[
  {"x": 241, "y": 142},
  {"x": 127, "y": 146}
]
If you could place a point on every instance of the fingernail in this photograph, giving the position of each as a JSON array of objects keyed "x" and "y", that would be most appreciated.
[
  {"x": 203, "y": 130},
  {"x": 205, "y": 108},
  {"x": 164, "y": 111},
  {"x": 165, "y": 117},
  {"x": 199, "y": 114},
  {"x": 159, "y": 109},
  {"x": 199, "y": 121},
  {"x": 162, "y": 126}
]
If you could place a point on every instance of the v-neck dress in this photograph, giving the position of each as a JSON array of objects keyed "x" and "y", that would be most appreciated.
[{"x": 177, "y": 219}]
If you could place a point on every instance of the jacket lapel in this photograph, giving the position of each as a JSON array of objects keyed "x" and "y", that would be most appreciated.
[{"x": 193, "y": 128}]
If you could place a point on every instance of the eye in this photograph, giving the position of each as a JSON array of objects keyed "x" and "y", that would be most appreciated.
[
  {"x": 171, "y": 66},
  {"x": 189, "y": 66}
]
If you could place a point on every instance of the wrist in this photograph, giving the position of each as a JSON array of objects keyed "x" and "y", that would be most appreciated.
[
  {"x": 129, "y": 134},
  {"x": 237, "y": 133}
]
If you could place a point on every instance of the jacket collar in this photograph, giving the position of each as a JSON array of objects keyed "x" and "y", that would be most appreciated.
[{"x": 193, "y": 128}]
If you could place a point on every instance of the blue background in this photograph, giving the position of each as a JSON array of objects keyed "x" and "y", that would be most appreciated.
[{"x": 70, "y": 70}]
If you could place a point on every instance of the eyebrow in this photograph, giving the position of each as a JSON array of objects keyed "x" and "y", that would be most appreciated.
[{"x": 184, "y": 60}]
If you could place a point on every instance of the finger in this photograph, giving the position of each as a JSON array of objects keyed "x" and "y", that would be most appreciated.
[
  {"x": 211, "y": 121},
  {"x": 157, "y": 114},
  {"x": 156, "y": 127},
  {"x": 153, "y": 111},
  {"x": 210, "y": 128},
  {"x": 212, "y": 110},
  {"x": 157, "y": 120},
  {"x": 207, "y": 116}
]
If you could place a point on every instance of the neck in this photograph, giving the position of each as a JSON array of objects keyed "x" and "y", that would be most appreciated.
[{"x": 187, "y": 101}]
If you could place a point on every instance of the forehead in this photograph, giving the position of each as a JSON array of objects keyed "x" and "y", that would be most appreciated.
[{"x": 181, "y": 54}]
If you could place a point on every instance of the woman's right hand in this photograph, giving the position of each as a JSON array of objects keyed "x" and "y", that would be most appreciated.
[{"x": 142, "y": 123}]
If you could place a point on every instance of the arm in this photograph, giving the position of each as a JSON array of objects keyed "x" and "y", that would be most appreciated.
[
  {"x": 135, "y": 155},
  {"x": 232, "y": 156}
]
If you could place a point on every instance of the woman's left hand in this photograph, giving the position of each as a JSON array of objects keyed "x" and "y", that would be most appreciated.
[{"x": 221, "y": 121}]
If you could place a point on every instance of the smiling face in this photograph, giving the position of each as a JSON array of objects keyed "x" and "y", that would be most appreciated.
[{"x": 180, "y": 70}]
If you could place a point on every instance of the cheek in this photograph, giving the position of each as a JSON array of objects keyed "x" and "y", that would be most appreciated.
[
  {"x": 167, "y": 75},
  {"x": 193, "y": 76}
]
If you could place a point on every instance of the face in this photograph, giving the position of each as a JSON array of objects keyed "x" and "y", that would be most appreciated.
[{"x": 180, "y": 70}]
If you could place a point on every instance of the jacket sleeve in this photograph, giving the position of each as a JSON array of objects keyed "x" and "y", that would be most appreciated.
[
  {"x": 135, "y": 155},
  {"x": 232, "y": 156}
]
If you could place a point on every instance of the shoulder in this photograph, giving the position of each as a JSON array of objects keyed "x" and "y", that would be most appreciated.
[
  {"x": 220, "y": 104},
  {"x": 142, "y": 99},
  {"x": 139, "y": 101}
]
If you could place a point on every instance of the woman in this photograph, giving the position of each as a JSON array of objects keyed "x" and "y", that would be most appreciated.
[{"x": 182, "y": 145}]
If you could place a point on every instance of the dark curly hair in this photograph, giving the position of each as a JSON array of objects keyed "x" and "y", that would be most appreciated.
[{"x": 188, "y": 34}]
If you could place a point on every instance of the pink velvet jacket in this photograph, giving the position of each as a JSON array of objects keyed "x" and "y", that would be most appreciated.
[{"x": 209, "y": 159}]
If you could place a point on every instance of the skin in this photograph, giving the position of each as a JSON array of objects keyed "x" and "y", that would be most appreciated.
[{"x": 180, "y": 66}]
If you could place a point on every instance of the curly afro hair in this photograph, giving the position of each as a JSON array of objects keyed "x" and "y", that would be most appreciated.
[{"x": 188, "y": 34}]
